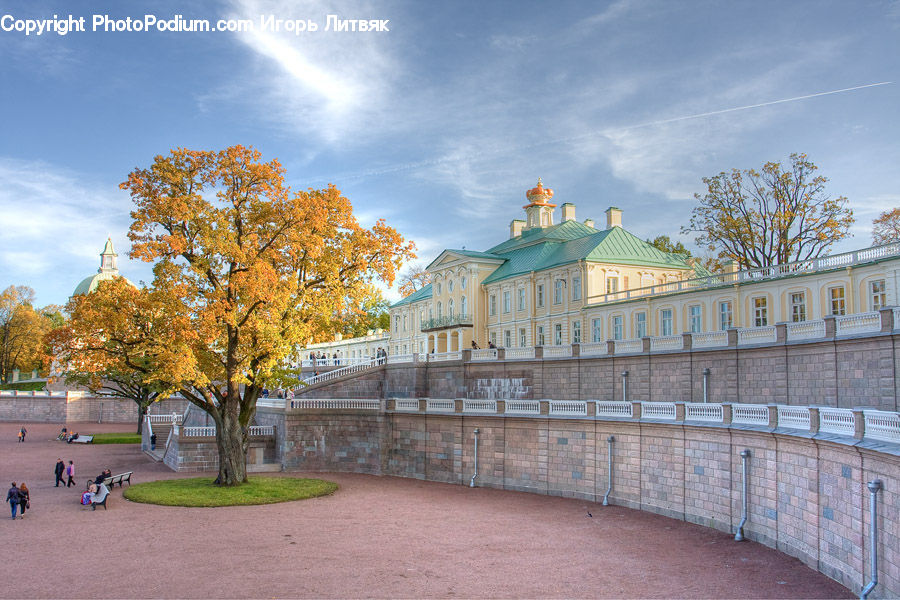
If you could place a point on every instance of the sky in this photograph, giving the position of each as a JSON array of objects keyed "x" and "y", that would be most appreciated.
[{"x": 441, "y": 122}]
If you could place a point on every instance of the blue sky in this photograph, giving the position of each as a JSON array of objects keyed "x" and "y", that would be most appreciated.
[{"x": 440, "y": 124}]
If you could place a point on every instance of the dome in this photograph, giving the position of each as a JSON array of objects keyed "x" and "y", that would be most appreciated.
[{"x": 108, "y": 270}]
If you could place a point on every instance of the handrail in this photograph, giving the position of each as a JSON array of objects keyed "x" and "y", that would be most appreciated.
[{"x": 337, "y": 373}]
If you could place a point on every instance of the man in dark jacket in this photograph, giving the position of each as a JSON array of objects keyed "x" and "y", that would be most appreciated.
[
  {"x": 12, "y": 496},
  {"x": 59, "y": 470}
]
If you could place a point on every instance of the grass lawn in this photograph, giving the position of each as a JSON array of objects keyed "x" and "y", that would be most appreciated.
[
  {"x": 31, "y": 386},
  {"x": 116, "y": 438},
  {"x": 200, "y": 491}
]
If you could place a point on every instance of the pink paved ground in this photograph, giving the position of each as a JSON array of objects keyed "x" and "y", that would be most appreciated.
[{"x": 376, "y": 537}]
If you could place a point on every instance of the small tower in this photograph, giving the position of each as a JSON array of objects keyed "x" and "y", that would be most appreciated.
[
  {"x": 539, "y": 213},
  {"x": 108, "y": 262}
]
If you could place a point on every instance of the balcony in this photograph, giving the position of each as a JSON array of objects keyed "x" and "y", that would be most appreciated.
[{"x": 447, "y": 322}]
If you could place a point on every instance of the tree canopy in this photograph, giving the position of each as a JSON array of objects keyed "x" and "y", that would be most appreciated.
[
  {"x": 244, "y": 269},
  {"x": 886, "y": 228},
  {"x": 413, "y": 280},
  {"x": 768, "y": 217},
  {"x": 22, "y": 329}
]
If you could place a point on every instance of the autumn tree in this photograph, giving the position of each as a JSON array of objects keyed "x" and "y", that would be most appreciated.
[
  {"x": 371, "y": 313},
  {"x": 244, "y": 269},
  {"x": 103, "y": 346},
  {"x": 886, "y": 228},
  {"x": 412, "y": 280},
  {"x": 22, "y": 329},
  {"x": 769, "y": 217},
  {"x": 665, "y": 243}
]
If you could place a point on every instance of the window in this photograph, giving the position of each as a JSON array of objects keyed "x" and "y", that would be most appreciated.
[
  {"x": 404, "y": 322},
  {"x": 439, "y": 288},
  {"x": 798, "y": 307},
  {"x": 640, "y": 324},
  {"x": 695, "y": 313},
  {"x": 430, "y": 313},
  {"x": 462, "y": 283},
  {"x": 760, "y": 312},
  {"x": 521, "y": 298},
  {"x": 726, "y": 315},
  {"x": 877, "y": 294},
  {"x": 576, "y": 332},
  {"x": 612, "y": 285},
  {"x": 522, "y": 337},
  {"x": 440, "y": 312},
  {"x": 450, "y": 286},
  {"x": 836, "y": 295},
  {"x": 558, "y": 291},
  {"x": 494, "y": 338},
  {"x": 397, "y": 323},
  {"x": 463, "y": 306},
  {"x": 540, "y": 295},
  {"x": 557, "y": 334},
  {"x": 666, "y": 326},
  {"x": 507, "y": 338},
  {"x": 576, "y": 288},
  {"x": 421, "y": 319},
  {"x": 450, "y": 307},
  {"x": 506, "y": 302},
  {"x": 540, "y": 335},
  {"x": 618, "y": 330},
  {"x": 492, "y": 301},
  {"x": 596, "y": 330}
]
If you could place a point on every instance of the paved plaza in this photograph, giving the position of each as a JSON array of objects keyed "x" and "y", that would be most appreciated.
[{"x": 376, "y": 537}]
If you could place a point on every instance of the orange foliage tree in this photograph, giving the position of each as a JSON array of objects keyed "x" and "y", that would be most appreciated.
[
  {"x": 244, "y": 269},
  {"x": 886, "y": 228},
  {"x": 769, "y": 217}
]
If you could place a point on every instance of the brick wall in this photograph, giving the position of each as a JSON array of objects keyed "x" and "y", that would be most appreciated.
[{"x": 78, "y": 409}]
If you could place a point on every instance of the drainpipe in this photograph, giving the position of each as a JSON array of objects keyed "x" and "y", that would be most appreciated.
[
  {"x": 624, "y": 386},
  {"x": 706, "y": 385},
  {"x": 472, "y": 482},
  {"x": 609, "y": 443},
  {"x": 873, "y": 486},
  {"x": 739, "y": 536}
]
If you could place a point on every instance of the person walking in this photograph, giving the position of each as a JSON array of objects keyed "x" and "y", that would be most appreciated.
[
  {"x": 22, "y": 432},
  {"x": 24, "y": 499},
  {"x": 70, "y": 473},
  {"x": 12, "y": 496},
  {"x": 59, "y": 469}
]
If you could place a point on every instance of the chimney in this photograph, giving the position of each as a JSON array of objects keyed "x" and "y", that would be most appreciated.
[
  {"x": 613, "y": 217},
  {"x": 515, "y": 228},
  {"x": 589, "y": 222},
  {"x": 568, "y": 212}
]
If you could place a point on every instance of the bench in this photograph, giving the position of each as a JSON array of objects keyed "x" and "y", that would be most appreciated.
[
  {"x": 100, "y": 497},
  {"x": 121, "y": 478},
  {"x": 83, "y": 439}
]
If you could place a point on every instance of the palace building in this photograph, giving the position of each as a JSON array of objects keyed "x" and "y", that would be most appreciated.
[{"x": 554, "y": 284}]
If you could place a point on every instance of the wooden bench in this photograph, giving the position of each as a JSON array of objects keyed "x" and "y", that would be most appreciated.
[
  {"x": 104, "y": 494},
  {"x": 83, "y": 439},
  {"x": 121, "y": 478}
]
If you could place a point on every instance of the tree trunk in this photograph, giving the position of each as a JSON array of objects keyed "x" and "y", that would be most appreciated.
[
  {"x": 140, "y": 423},
  {"x": 232, "y": 445}
]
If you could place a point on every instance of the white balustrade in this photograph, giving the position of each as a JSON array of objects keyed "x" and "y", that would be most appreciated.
[
  {"x": 896, "y": 311},
  {"x": 610, "y": 408},
  {"x": 701, "y": 411},
  {"x": 523, "y": 407},
  {"x": 519, "y": 353},
  {"x": 869, "y": 322},
  {"x": 400, "y": 358},
  {"x": 594, "y": 349},
  {"x": 480, "y": 406},
  {"x": 837, "y": 420},
  {"x": 483, "y": 354},
  {"x": 198, "y": 431},
  {"x": 666, "y": 343},
  {"x": 440, "y": 405},
  {"x": 568, "y": 408},
  {"x": 271, "y": 402},
  {"x": 262, "y": 430},
  {"x": 337, "y": 403},
  {"x": 757, "y": 335},
  {"x": 337, "y": 373},
  {"x": 712, "y": 339},
  {"x": 805, "y": 330},
  {"x": 750, "y": 414},
  {"x": 794, "y": 417},
  {"x": 442, "y": 356},
  {"x": 167, "y": 418},
  {"x": 406, "y": 404},
  {"x": 629, "y": 346},
  {"x": 658, "y": 410},
  {"x": 884, "y": 426},
  {"x": 557, "y": 351},
  {"x": 334, "y": 362}
]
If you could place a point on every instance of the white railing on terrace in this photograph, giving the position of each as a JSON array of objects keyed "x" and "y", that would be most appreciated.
[
  {"x": 337, "y": 373},
  {"x": 805, "y": 330},
  {"x": 198, "y": 431},
  {"x": 794, "y": 417},
  {"x": 757, "y": 335},
  {"x": 519, "y": 353},
  {"x": 557, "y": 351},
  {"x": 262, "y": 430},
  {"x": 442, "y": 356},
  {"x": 271, "y": 402},
  {"x": 334, "y": 362},
  {"x": 868, "y": 322},
  {"x": 610, "y": 408},
  {"x": 481, "y": 354},
  {"x": 711, "y": 339},
  {"x": 896, "y": 317},
  {"x": 171, "y": 418},
  {"x": 658, "y": 410},
  {"x": 480, "y": 406},
  {"x": 440, "y": 405},
  {"x": 406, "y": 404},
  {"x": 523, "y": 407},
  {"x": 699, "y": 411},
  {"x": 882, "y": 425},
  {"x": 568, "y": 408},
  {"x": 761, "y": 274},
  {"x": 836, "y": 420},
  {"x": 666, "y": 343},
  {"x": 594, "y": 349},
  {"x": 629, "y": 346},
  {"x": 750, "y": 414},
  {"x": 339, "y": 403},
  {"x": 400, "y": 358}
]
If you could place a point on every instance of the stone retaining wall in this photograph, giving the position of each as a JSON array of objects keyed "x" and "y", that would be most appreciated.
[{"x": 77, "y": 408}]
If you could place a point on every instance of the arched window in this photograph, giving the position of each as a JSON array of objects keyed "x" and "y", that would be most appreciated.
[
  {"x": 463, "y": 306},
  {"x": 450, "y": 308},
  {"x": 439, "y": 311}
]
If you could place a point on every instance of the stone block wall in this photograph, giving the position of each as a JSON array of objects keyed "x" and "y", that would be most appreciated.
[
  {"x": 200, "y": 454},
  {"x": 76, "y": 408},
  {"x": 29, "y": 409}
]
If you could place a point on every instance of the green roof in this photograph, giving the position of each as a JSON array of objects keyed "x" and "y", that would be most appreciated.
[{"x": 422, "y": 294}]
